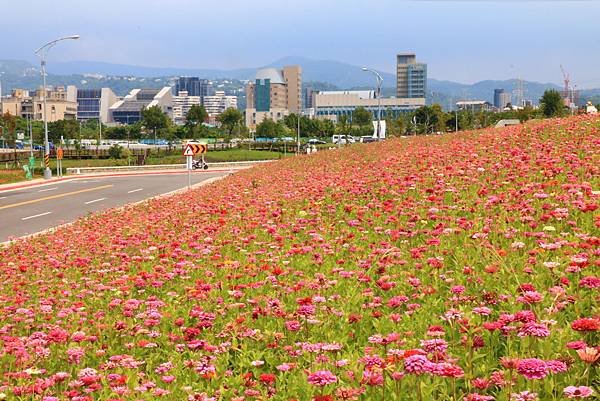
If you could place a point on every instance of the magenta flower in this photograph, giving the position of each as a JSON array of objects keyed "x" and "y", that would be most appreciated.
[
  {"x": 532, "y": 368},
  {"x": 417, "y": 364},
  {"x": 322, "y": 378}
]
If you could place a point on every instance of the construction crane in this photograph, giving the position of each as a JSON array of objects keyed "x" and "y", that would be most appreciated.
[
  {"x": 570, "y": 96},
  {"x": 567, "y": 80},
  {"x": 568, "y": 92}
]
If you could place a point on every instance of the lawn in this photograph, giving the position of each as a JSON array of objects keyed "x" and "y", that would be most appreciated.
[{"x": 460, "y": 267}]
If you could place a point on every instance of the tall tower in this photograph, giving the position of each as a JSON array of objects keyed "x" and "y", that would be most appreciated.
[{"x": 411, "y": 77}]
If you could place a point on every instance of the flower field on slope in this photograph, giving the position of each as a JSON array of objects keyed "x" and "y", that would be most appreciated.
[{"x": 461, "y": 267}]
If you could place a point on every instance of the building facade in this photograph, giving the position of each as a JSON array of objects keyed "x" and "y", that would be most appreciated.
[
  {"x": 182, "y": 104},
  {"x": 194, "y": 86},
  {"x": 60, "y": 103},
  {"x": 273, "y": 94},
  {"x": 411, "y": 77},
  {"x": 333, "y": 104},
  {"x": 218, "y": 103},
  {"x": 94, "y": 104},
  {"x": 129, "y": 109},
  {"x": 474, "y": 106},
  {"x": 501, "y": 98}
]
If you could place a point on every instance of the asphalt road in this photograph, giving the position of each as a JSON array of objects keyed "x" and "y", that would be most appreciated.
[{"x": 30, "y": 210}]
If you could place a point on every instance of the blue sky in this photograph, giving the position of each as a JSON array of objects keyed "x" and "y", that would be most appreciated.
[{"x": 463, "y": 41}]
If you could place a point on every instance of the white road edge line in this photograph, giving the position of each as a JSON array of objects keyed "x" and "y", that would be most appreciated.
[
  {"x": 49, "y": 189},
  {"x": 95, "y": 200},
  {"x": 135, "y": 190},
  {"x": 37, "y": 215}
]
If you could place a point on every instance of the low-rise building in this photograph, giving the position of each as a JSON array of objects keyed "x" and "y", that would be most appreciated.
[
  {"x": 94, "y": 104},
  {"x": 474, "y": 106},
  {"x": 333, "y": 104},
  {"x": 61, "y": 103},
  {"x": 129, "y": 109}
]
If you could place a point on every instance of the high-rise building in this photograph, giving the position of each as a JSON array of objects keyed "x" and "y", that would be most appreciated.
[
  {"x": 129, "y": 109},
  {"x": 94, "y": 104},
  {"x": 293, "y": 80},
  {"x": 273, "y": 94},
  {"x": 501, "y": 98},
  {"x": 411, "y": 77},
  {"x": 194, "y": 86}
]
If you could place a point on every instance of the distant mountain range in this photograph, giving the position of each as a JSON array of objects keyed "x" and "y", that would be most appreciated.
[{"x": 333, "y": 74}]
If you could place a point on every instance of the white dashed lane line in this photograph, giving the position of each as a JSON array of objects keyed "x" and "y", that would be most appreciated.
[
  {"x": 36, "y": 215},
  {"x": 95, "y": 200},
  {"x": 2, "y": 197},
  {"x": 135, "y": 190},
  {"x": 49, "y": 189}
]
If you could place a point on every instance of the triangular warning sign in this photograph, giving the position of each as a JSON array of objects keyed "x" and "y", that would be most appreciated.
[{"x": 188, "y": 151}]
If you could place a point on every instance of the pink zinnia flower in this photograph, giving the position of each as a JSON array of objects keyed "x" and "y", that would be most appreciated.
[
  {"x": 578, "y": 392},
  {"x": 417, "y": 364},
  {"x": 530, "y": 297},
  {"x": 532, "y": 368},
  {"x": 292, "y": 325},
  {"x": 556, "y": 366},
  {"x": 524, "y": 396},
  {"x": 534, "y": 329},
  {"x": 322, "y": 378}
]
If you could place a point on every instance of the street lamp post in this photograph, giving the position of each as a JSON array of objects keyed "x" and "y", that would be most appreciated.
[
  {"x": 41, "y": 52},
  {"x": 379, "y": 82},
  {"x": 298, "y": 135}
]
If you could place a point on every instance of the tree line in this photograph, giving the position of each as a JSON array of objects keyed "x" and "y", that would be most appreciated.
[{"x": 156, "y": 124}]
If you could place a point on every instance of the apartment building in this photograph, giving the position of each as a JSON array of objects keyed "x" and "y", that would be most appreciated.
[{"x": 61, "y": 103}]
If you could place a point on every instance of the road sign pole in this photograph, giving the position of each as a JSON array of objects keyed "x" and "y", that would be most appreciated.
[{"x": 189, "y": 169}]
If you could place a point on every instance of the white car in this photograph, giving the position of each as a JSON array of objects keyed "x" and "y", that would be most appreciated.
[{"x": 342, "y": 139}]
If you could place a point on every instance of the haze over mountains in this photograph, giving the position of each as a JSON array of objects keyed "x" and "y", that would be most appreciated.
[{"x": 322, "y": 73}]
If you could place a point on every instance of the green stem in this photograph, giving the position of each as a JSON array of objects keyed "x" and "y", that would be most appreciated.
[{"x": 418, "y": 388}]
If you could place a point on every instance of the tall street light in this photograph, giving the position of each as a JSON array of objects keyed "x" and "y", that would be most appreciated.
[
  {"x": 379, "y": 81},
  {"x": 41, "y": 52}
]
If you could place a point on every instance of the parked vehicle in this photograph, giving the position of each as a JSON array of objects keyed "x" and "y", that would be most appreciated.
[
  {"x": 367, "y": 139},
  {"x": 314, "y": 141},
  {"x": 342, "y": 139}
]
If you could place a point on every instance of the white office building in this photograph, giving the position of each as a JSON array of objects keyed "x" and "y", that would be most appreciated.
[
  {"x": 218, "y": 103},
  {"x": 182, "y": 103}
]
